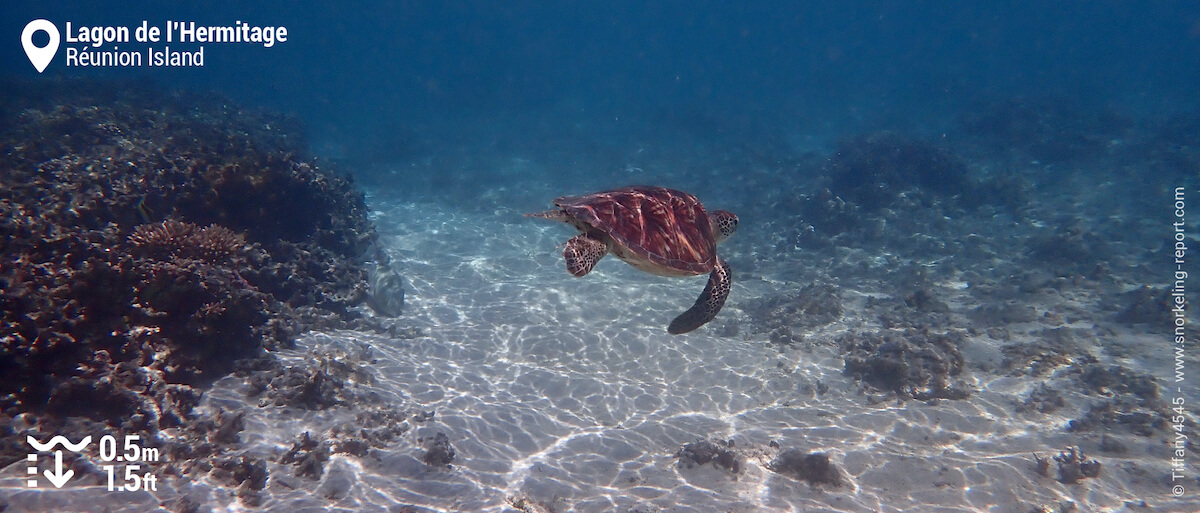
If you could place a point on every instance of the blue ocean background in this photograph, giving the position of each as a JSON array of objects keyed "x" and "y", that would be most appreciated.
[
  {"x": 1000, "y": 171},
  {"x": 388, "y": 75}
]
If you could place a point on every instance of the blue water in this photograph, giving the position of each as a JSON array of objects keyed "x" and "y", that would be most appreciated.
[
  {"x": 457, "y": 117},
  {"x": 361, "y": 69}
]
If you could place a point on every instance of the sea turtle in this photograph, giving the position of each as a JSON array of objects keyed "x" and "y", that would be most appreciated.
[{"x": 655, "y": 229}]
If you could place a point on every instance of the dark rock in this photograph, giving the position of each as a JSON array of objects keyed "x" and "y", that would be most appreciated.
[
  {"x": 1008, "y": 312},
  {"x": 816, "y": 468},
  {"x": 229, "y": 425},
  {"x": 1118, "y": 379},
  {"x": 380, "y": 427},
  {"x": 1144, "y": 305},
  {"x": 308, "y": 455},
  {"x": 1111, "y": 445},
  {"x": 1074, "y": 467},
  {"x": 925, "y": 301},
  {"x": 784, "y": 336},
  {"x": 1071, "y": 247},
  {"x": 529, "y": 505},
  {"x": 185, "y": 504},
  {"x": 1042, "y": 399},
  {"x": 1036, "y": 358},
  {"x": 704, "y": 451},
  {"x": 354, "y": 446},
  {"x": 242, "y": 471},
  {"x": 440, "y": 453},
  {"x": 306, "y": 387},
  {"x": 1124, "y": 412},
  {"x": 1042, "y": 465},
  {"x": 920, "y": 309}
]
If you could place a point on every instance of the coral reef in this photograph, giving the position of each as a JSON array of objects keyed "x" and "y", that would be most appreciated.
[
  {"x": 1056, "y": 348},
  {"x": 910, "y": 363},
  {"x": 309, "y": 388},
  {"x": 812, "y": 306},
  {"x": 151, "y": 241},
  {"x": 1046, "y": 128},
  {"x": 173, "y": 239},
  {"x": 314, "y": 383},
  {"x": 874, "y": 170},
  {"x": 879, "y": 184}
]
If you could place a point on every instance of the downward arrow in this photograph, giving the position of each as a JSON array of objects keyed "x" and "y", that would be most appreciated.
[{"x": 58, "y": 477}]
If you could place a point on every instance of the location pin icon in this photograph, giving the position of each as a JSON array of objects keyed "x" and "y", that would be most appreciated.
[{"x": 40, "y": 57}]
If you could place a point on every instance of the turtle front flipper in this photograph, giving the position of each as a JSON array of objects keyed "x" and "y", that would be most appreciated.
[
  {"x": 582, "y": 253},
  {"x": 709, "y": 302}
]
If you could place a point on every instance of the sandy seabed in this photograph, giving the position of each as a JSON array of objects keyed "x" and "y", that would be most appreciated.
[{"x": 566, "y": 394}]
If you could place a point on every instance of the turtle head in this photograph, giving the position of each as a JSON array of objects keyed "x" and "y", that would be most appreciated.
[{"x": 724, "y": 223}]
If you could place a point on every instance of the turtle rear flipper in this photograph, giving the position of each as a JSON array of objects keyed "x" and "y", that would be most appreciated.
[
  {"x": 709, "y": 302},
  {"x": 582, "y": 253}
]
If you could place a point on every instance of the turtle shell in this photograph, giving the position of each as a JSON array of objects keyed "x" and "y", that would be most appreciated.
[{"x": 669, "y": 228}]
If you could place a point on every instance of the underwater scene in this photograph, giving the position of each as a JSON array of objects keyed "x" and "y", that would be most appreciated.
[{"x": 651, "y": 257}]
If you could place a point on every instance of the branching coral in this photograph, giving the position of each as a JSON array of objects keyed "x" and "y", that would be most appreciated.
[{"x": 178, "y": 239}]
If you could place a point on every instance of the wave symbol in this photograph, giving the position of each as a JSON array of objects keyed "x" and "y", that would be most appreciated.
[{"x": 59, "y": 439}]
